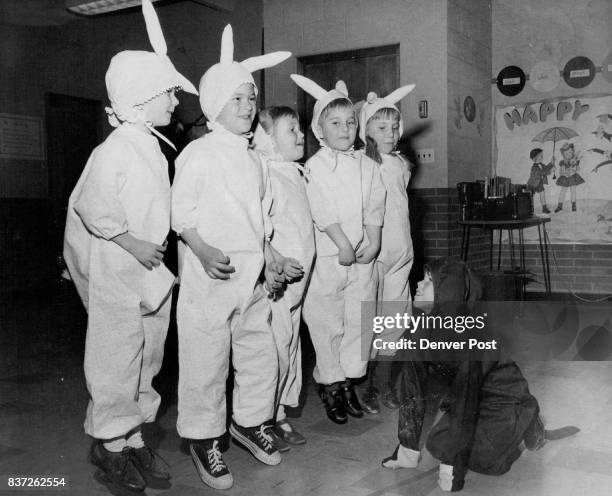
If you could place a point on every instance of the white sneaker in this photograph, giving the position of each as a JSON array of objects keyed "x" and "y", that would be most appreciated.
[
  {"x": 447, "y": 481},
  {"x": 402, "y": 458}
]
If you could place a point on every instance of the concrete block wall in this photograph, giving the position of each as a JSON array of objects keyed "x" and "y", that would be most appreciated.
[
  {"x": 468, "y": 74},
  {"x": 308, "y": 27}
]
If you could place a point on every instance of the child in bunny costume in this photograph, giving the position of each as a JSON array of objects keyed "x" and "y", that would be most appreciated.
[
  {"x": 116, "y": 227},
  {"x": 347, "y": 201},
  {"x": 220, "y": 207},
  {"x": 380, "y": 128}
]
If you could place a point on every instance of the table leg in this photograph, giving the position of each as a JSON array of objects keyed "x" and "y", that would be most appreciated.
[
  {"x": 544, "y": 259},
  {"x": 465, "y": 242},
  {"x": 522, "y": 258},
  {"x": 547, "y": 280},
  {"x": 491, "y": 249},
  {"x": 511, "y": 244},
  {"x": 499, "y": 250}
]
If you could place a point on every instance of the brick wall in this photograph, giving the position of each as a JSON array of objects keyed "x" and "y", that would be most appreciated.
[{"x": 434, "y": 215}]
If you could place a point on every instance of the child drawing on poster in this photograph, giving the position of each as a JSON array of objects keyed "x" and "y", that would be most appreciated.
[
  {"x": 538, "y": 176},
  {"x": 568, "y": 175}
]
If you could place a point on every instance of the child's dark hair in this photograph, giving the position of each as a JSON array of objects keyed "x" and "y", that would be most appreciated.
[
  {"x": 338, "y": 103},
  {"x": 269, "y": 115},
  {"x": 371, "y": 148},
  {"x": 534, "y": 153}
]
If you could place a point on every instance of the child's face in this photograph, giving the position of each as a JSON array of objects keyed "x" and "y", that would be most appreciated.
[
  {"x": 568, "y": 154},
  {"x": 538, "y": 158},
  {"x": 385, "y": 132},
  {"x": 425, "y": 292},
  {"x": 238, "y": 114},
  {"x": 159, "y": 110},
  {"x": 339, "y": 128},
  {"x": 288, "y": 138}
]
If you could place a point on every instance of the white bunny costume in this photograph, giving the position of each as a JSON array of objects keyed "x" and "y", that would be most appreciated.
[
  {"x": 343, "y": 188},
  {"x": 396, "y": 253},
  {"x": 221, "y": 189},
  {"x": 124, "y": 188}
]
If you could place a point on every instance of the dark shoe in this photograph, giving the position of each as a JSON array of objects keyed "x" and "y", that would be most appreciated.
[
  {"x": 390, "y": 399},
  {"x": 258, "y": 441},
  {"x": 280, "y": 444},
  {"x": 545, "y": 210},
  {"x": 150, "y": 465},
  {"x": 573, "y": 206},
  {"x": 535, "y": 436},
  {"x": 368, "y": 398},
  {"x": 209, "y": 463},
  {"x": 334, "y": 404},
  {"x": 350, "y": 400},
  {"x": 286, "y": 431},
  {"x": 118, "y": 468},
  {"x": 559, "y": 207}
]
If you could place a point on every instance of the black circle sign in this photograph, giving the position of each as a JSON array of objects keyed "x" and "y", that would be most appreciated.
[
  {"x": 511, "y": 80},
  {"x": 579, "y": 72}
]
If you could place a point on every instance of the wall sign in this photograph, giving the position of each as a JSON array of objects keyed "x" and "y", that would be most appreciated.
[
  {"x": 544, "y": 76},
  {"x": 579, "y": 72},
  {"x": 21, "y": 137},
  {"x": 511, "y": 80},
  {"x": 606, "y": 68}
]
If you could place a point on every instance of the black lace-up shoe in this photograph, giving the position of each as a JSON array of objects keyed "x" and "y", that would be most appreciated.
[
  {"x": 117, "y": 468},
  {"x": 208, "y": 460},
  {"x": 258, "y": 441},
  {"x": 350, "y": 401},
  {"x": 280, "y": 444},
  {"x": 334, "y": 404},
  {"x": 151, "y": 466}
]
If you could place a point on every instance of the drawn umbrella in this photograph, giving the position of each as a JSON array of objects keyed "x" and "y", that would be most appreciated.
[{"x": 555, "y": 134}]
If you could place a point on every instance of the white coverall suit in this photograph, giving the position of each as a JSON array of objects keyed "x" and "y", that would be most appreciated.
[
  {"x": 396, "y": 253},
  {"x": 123, "y": 188},
  {"x": 221, "y": 189},
  {"x": 293, "y": 237},
  {"x": 343, "y": 188}
]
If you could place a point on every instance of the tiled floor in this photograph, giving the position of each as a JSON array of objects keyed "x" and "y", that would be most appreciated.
[{"x": 43, "y": 398}]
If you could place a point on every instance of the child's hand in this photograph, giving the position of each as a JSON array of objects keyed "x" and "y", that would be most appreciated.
[
  {"x": 215, "y": 263},
  {"x": 292, "y": 269},
  {"x": 346, "y": 255},
  {"x": 148, "y": 254},
  {"x": 368, "y": 254},
  {"x": 275, "y": 278}
]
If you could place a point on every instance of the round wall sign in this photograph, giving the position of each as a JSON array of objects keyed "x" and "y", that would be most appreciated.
[
  {"x": 606, "y": 68},
  {"x": 469, "y": 108},
  {"x": 511, "y": 80},
  {"x": 579, "y": 72},
  {"x": 544, "y": 76}
]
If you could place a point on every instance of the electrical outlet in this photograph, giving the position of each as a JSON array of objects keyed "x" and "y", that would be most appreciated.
[{"x": 425, "y": 155}]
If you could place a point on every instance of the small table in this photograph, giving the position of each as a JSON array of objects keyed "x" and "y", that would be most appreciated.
[{"x": 510, "y": 226}]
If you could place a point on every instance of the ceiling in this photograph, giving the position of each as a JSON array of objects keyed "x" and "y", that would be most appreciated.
[{"x": 54, "y": 13}]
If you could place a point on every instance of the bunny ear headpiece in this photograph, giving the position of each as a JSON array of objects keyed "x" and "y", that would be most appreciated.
[
  {"x": 219, "y": 83},
  {"x": 323, "y": 98},
  {"x": 373, "y": 104},
  {"x": 136, "y": 77}
]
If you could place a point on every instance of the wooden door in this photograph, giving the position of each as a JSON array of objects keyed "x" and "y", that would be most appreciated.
[
  {"x": 73, "y": 127},
  {"x": 370, "y": 69}
]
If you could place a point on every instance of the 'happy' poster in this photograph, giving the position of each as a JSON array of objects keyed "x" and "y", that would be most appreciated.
[{"x": 580, "y": 176}]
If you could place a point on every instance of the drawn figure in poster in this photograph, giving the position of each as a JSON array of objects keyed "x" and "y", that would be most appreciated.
[
  {"x": 538, "y": 176},
  {"x": 568, "y": 175},
  {"x": 606, "y": 154}
]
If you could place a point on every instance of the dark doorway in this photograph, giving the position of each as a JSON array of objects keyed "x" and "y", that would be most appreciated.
[
  {"x": 73, "y": 128},
  {"x": 369, "y": 69}
]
